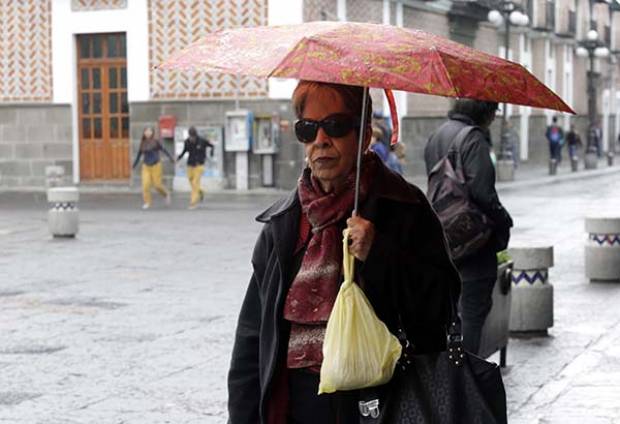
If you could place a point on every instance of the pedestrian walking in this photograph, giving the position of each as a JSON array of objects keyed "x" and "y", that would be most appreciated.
[
  {"x": 555, "y": 137},
  {"x": 573, "y": 141},
  {"x": 378, "y": 145},
  {"x": 196, "y": 146},
  {"x": 151, "y": 166},
  {"x": 396, "y": 158},
  {"x": 402, "y": 262},
  {"x": 470, "y": 120}
]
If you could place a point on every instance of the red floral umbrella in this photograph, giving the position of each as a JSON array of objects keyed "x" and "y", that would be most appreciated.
[{"x": 368, "y": 55}]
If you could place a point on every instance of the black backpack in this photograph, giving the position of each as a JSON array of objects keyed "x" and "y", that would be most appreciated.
[{"x": 466, "y": 227}]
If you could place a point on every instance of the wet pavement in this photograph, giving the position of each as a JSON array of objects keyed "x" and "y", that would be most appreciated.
[{"x": 132, "y": 322}]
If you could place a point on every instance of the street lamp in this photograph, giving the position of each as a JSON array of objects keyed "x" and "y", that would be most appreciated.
[
  {"x": 509, "y": 14},
  {"x": 592, "y": 48}
]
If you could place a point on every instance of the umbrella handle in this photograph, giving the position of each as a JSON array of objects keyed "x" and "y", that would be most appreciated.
[
  {"x": 360, "y": 142},
  {"x": 394, "y": 114}
]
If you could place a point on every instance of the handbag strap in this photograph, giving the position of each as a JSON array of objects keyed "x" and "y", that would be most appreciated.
[
  {"x": 453, "y": 153},
  {"x": 454, "y": 334},
  {"x": 348, "y": 260}
]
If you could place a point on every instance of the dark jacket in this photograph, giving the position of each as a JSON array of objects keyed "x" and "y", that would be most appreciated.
[
  {"x": 573, "y": 139},
  {"x": 480, "y": 179},
  {"x": 556, "y": 128},
  {"x": 197, "y": 151},
  {"x": 408, "y": 272},
  {"x": 151, "y": 153}
]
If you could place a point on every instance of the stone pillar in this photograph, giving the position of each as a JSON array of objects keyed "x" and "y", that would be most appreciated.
[
  {"x": 603, "y": 249},
  {"x": 62, "y": 218},
  {"x": 532, "y": 294}
]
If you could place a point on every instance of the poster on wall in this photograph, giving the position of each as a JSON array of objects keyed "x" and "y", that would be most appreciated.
[
  {"x": 266, "y": 134},
  {"x": 238, "y": 131},
  {"x": 213, "y": 175}
]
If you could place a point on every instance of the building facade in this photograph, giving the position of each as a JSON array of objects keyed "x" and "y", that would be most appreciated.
[{"x": 78, "y": 82}]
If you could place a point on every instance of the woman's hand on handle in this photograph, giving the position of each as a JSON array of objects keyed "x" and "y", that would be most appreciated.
[{"x": 361, "y": 236}]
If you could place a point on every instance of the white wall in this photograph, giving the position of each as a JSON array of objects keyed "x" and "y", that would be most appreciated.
[
  {"x": 66, "y": 24},
  {"x": 525, "y": 55},
  {"x": 568, "y": 80},
  {"x": 283, "y": 12},
  {"x": 550, "y": 73}
]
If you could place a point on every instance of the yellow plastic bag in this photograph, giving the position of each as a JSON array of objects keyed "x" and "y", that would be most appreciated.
[{"x": 358, "y": 350}]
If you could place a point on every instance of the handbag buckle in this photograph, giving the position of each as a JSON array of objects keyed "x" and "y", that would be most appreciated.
[{"x": 369, "y": 408}]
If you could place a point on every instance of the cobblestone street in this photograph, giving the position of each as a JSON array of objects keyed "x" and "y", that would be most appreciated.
[{"x": 132, "y": 322}]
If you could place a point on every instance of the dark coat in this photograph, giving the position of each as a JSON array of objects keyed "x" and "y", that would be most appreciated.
[
  {"x": 408, "y": 272},
  {"x": 480, "y": 179},
  {"x": 197, "y": 151}
]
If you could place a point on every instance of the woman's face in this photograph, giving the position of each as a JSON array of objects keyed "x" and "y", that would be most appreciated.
[
  {"x": 148, "y": 133},
  {"x": 331, "y": 159}
]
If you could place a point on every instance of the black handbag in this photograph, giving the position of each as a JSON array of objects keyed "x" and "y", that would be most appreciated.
[{"x": 450, "y": 387}]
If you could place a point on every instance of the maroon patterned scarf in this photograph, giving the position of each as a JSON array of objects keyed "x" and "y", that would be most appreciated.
[{"x": 315, "y": 287}]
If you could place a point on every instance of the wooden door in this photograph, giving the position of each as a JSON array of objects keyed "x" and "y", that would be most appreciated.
[{"x": 103, "y": 107}]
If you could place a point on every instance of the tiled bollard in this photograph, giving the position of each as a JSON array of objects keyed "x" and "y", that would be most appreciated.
[
  {"x": 553, "y": 166},
  {"x": 574, "y": 163},
  {"x": 505, "y": 170},
  {"x": 62, "y": 218},
  {"x": 532, "y": 294},
  {"x": 590, "y": 160},
  {"x": 603, "y": 249},
  {"x": 54, "y": 175}
]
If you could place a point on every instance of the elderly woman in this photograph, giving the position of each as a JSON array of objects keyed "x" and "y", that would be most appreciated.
[{"x": 401, "y": 263}]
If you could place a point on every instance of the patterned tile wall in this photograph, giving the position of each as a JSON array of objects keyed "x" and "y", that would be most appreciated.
[
  {"x": 174, "y": 24},
  {"x": 81, "y": 5},
  {"x": 319, "y": 10},
  {"x": 25, "y": 51},
  {"x": 365, "y": 11}
]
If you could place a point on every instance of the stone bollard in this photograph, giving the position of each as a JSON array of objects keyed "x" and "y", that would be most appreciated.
[
  {"x": 54, "y": 175},
  {"x": 62, "y": 218},
  {"x": 505, "y": 170},
  {"x": 532, "y": 295},
  {"x": 591, "y": 160},
  {"x": 603, "y": 249},
  {"x": 553, "y": 166},
  {"x": 610, "y": 158},
  {"x": 574, "y": 163}
]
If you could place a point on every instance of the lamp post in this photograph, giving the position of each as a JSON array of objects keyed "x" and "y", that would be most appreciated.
[
  {"x": 592, "y": 47},
  {"x": 509, "y": 14}
]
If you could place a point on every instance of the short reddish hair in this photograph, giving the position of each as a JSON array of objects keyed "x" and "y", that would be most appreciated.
[{"x": 352, "y": 97}]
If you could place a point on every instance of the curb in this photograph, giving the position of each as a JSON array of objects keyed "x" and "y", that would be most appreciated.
[
  {"x": 418, "y": 181},
  {"x": 513, "y": 185}
]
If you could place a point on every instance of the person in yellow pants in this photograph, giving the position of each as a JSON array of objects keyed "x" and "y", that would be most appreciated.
[
  {"x": 197, "y": 148},
  {"x": 151, "y": 166},
  {"x": 194, "y": 173}
]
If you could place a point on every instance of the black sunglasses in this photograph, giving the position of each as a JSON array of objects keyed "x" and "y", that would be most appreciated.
[{"x": 334, "y": 126}]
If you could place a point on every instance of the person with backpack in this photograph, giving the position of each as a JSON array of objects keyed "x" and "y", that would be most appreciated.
[
  {"x": 555, "y": 136},
  {"x": 461, "y": 189}
]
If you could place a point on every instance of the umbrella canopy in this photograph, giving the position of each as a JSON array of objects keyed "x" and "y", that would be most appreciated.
[{"x": 368, "y": 55}]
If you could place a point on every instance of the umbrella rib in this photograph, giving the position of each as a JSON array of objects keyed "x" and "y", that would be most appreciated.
[
  {"x": 445, "y": 70},
  {"x": 287, "y": 56}
]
